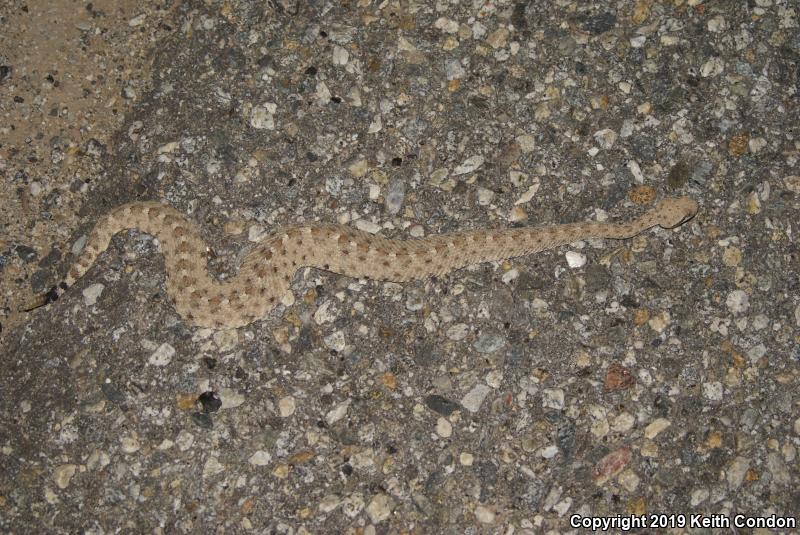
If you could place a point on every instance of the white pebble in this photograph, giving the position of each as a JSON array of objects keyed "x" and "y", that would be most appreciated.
[
  {"x": 456, "y": 332},
  {"x": 659, "y": 322},
  {"x": 212, "y": 467},
  {"x": 518, "y": 178},
  {"x": 380, "y": 508},
  {"x": 636, "y": 171},
  {"x": 376, "y": 125},
  {"x": 79, "y": 244},
  {"x": 92, "y": 293},
  {"x": 474, "y": 398},
  {"x": 329, "y": 503},
  {"x": 575, "y": 259},
  {"x": 736, "y": 471},
  {"x": 716, "y": 24},
  {"x": 162, "y": 356},
  {"x": 323, "y": 94},
  {"x": 368, "y": 226},
  {"x": 286, "y": 406},
  {"x": 374, "y": 192},
  {"x": 337, "y": 413},
  {"x": 340, "y": 55},
  {"x": 638, "y": 41},
  {"x": 712, "y": 391},
  {"x": 63, "y": 474},
  {"x": 484, "y": 514},
  {"x": 549, "y": 452},
  {"x": 443, "y": 427},
  {"x": 756, "y": 144},
  {"x": 756, "y": 352},
  {"x": 494, "y": 378},
  {"x": 130, "y": 443},
  {"x": 539, "y": 306},
  {"x": 655, "y": 427},
  {"x": 287, "y": 299},
  {"x": 335, "y": 341},
  {"x": 527, "y": 143},
  {"x": 470, "y": 164},
  {"x": 485, "y": 196},
  {"x": 138, "y": 20},
  {"x": 528, "y": 195},
  {"x": 260, "y": 458},
  {"x": 760, "y": 322},
  {"x": 326, "y": 313},
  {"x": 629, "y": 480},
  {"x": 353, "y": 505},
  {"x": 261, "y": 117},
  {"x": 226, "y": 340},
  {"x": 230, "y": 398},
  {"x": 553, "y": 398},
  {"x": 605, "y": 138},
  {"x": 669, "y": 40},
  {"x": 446, "y": 25},
  {"x": 168, "y": 147},
  {"x": 738, "y": 301},
  {"x": 184, "y": 440},
  {"x": 712, "y": 67}
]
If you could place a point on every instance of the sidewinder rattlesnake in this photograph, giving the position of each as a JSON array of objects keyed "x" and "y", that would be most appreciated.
[{"x": 267, "y": 271}]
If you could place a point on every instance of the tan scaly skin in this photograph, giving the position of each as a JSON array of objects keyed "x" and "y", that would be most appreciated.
[{"x": 267, "y": 271}]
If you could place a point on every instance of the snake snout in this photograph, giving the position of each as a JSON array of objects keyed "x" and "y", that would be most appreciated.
[{"x": 674, "y": 212}]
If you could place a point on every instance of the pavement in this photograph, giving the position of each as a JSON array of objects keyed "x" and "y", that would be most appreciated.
[{"x": 648, "y": 385}]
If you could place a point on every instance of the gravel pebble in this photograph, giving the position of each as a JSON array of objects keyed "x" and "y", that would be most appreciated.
[
  {"x": 444, "y": 428},
  {"x": 162, "y": 355},
  {"x": 736, "y": 471},
  {"x": 484, "y": 514},
  {"x": 92, "y": 293},
  {"x": 738, "y": 301},
  {"x": 489, "y": 343},
  {"x": 473, "y": 400},
  {"x": 380, "y": 508},
  {"x": 469, "y": 165},
  {"x": 286, "y": 406},
  {"x": 338, "y": 412},
  {"x": 441, "y": 404},
  {"x": 260, "y": 458},
  {"x": 62, "y": 475},
  {"x": 395, "y": 194},
  {"x": 553, "y": 398},
  {"x": 575, "y": 259},
  {"x": 655, "y": 427}
]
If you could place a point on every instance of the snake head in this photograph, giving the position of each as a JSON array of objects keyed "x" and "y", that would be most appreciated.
[{"x": 675, "y": 211}]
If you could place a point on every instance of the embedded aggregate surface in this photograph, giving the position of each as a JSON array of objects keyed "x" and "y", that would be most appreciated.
[{"x": 656, "y": 375}]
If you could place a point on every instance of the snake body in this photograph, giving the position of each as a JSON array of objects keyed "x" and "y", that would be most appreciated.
[{"x": 267, "y": 271}]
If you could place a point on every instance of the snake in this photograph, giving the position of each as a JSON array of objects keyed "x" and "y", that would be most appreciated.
[{"x": 267, "y": 271}]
